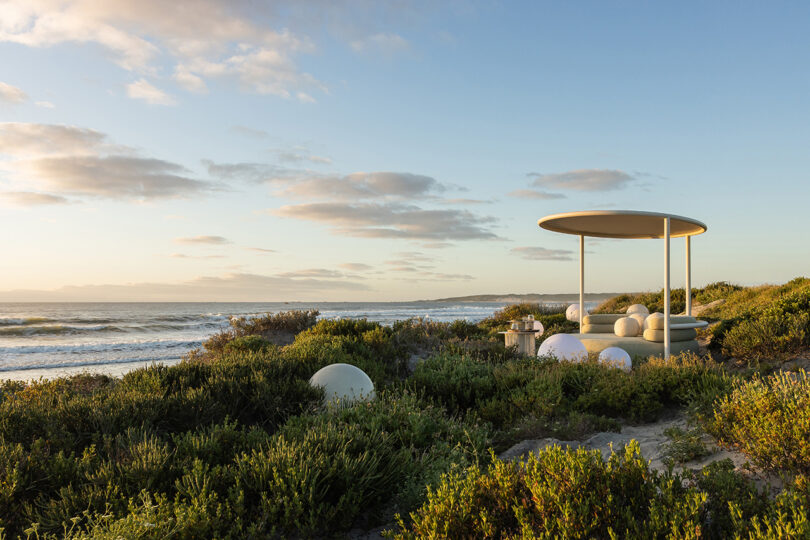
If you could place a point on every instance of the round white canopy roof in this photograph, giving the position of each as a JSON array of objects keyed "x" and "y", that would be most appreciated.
[{"x": 621, "y": 224}]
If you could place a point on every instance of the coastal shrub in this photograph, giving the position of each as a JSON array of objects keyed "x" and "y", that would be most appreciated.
[
  {"x": 653, "y": 300},
  {"x": 252, "y": 343},
  {"x": 719, "y": 290},
  {"x": 684, "y": 446},
  {"x": 551, "y": 315},
  {"x": 768, "y": 419},
  {"x": 557, "y": 397},
  {"x": 279, "y": 328},
  {"x": 559, "y": 493}
]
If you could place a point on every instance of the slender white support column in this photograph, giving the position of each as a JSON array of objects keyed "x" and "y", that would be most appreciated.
[
  {"x": 688, "y": 276},
  {"x": 666, "y": 289},
  {"x": 581, "y": 280}
]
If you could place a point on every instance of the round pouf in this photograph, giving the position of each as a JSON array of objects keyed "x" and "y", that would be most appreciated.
[
  {"x": 616, "y": 357},
  {"x": 638, "y": 308},
  {"x": 647, "y": 320},
  {"x": 563, "y": 347},
  {"x": 639, "y": 318},
  {"x": 572, "y": 313},
  {"x": 626, "y": 327},
  {"x": 343, "y": 382}
]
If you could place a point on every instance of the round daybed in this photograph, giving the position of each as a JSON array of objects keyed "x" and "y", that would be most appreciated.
[{"x": 630, "y": 224}]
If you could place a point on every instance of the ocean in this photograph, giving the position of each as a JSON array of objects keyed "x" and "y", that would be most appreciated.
[{"x": 55, "y": 339}]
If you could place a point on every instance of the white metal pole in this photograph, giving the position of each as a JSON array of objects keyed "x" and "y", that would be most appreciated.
[
  {"x": 581, "y": 280},
  {"x": 666, "y": 289},
  {"x": 688, "y": 276}
]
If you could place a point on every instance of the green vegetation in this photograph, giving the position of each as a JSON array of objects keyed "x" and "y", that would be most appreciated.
[
  {"x": 233, "y": 442},
  {"x": 768, "y": 419}
]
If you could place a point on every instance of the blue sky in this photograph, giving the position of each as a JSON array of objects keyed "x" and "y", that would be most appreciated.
[{"x": 362, "y": 150}]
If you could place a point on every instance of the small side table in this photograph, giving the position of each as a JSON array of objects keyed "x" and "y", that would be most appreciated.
[{"x": 523, "y": 340}]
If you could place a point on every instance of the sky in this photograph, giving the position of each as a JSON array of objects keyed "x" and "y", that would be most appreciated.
[{"x": 221, "y": 150}]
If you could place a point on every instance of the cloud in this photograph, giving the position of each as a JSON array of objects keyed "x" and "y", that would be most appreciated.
[
  {"x": 364, "y": 185},
  {"x": 250, "y": 132},
  {"x": 184, "y": 256},
  {"x": 393, "y": 220},
  {"x": 12, "y": 94},
  {"x": 45, "y": 104},
  {"x": 141, "y": 89},
  {"x": 356, "y": 267},
  {"x": 261, "y": 250},
  {"x": 199, "y": 39},
  {"x": 247, "y": 172},
  {"x": 78, "y": 162},
  {"x": 535, "y": 194},
  {"x": 583, "y": 180},
  {"x": 28, "y": 198},
  {"x": 386, "y": 43},
  {"x": 313, "y": 273},
  {"x": 233, "y": 287},
  {"x": 287, "y": 156},
  {"x": 543, "y": 254},
  {"x": 20, "y": 139},
  {"x": 466, "y": 201},
  {"x": 211, "y": 240},
  {"x": 437, "y": 245}
]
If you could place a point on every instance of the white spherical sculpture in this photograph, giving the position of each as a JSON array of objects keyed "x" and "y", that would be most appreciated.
[
  {"x": 572, "y": 313},
  {"x": 563, "y": 347},
  {"x": 639, "y": 318},
  {"x": 638, "y": 308},
  {"x": 626, "y": 327},
  {"x": 538, "y": 329},
  {"x": 343, "y": 382},
  {"x": 616, "y": 357}
]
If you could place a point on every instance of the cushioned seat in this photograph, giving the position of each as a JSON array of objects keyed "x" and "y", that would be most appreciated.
[
  {"x": 597, "y": 328},
  {"x": 657, "y": 323},
  {"x": 657, "y": 336},
  {"x": 602, "y": 318},
  {"x": 635, "y": 346}
]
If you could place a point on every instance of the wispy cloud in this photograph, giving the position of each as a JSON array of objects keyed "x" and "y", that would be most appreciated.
[
  {"x": 185, "y": 256},
  {"x": 233, "y": 287},
  {"x": 28, "y": 198},
  {"x": 261, "y": 250},
  {"x": 11, "y": 94},
  {"x": 535, "y": 194},
  {"x": 83, "y": 163},
  {"x": 45, "y": 104},
  {"x": 253, "y": 133},
  {"x": 392, "y": 220},
  {"x": 211, "y": 240},
  {"x": 356, "y": 267},
  {"x": 386, "y": 43},
  {"x": 364, "y": 185},
  {"x": 202, "y": 39},
  {"x": 143, "y": 90},
  {"x": 543, "y": 254},
  {"x": 583, "y": 180}
]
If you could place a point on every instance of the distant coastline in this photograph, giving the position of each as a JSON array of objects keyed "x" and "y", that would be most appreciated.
[{"x": 515, "y": 298}]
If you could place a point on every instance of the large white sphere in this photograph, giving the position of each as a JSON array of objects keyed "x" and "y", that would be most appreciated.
[
  {"x": 626, "y": 327},
  {"x": 343, "y": 382},
  {"x": 639, "y": 318},
  {"x": 616, "y": 357},
  {"x": 538, "y": 329},
  {"x": 646, "y": 324},
  {"x": 563, "y": 347},
  {"x": 572, "y": 313},
  {"x": 638, "y": 308}
]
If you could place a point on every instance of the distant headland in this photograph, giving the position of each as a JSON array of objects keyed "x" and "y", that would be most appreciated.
[{"x": 516, "y": 298}]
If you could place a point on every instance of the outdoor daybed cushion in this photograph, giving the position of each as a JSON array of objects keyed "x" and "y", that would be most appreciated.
[
  {"x": 657, "y": 323},
  {"x": 687, "y": 334},
  {"x": 603, "y": 318},
  {"x": 597, "y": 328}
]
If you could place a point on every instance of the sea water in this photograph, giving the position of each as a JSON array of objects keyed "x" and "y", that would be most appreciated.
[{"x": 54, "y": 339}]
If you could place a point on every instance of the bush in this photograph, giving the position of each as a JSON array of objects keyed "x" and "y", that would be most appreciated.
[
  {"x": 559, "y": 493},
  {"x": 252, "y": 343},
  {"x": 768, "y": 419},
  {"x": 279, "y": 328},
  {"x": 562, "y": 398}
]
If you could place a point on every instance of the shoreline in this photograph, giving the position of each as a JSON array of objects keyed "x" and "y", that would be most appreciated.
[{"x": 113, "y": 370}]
